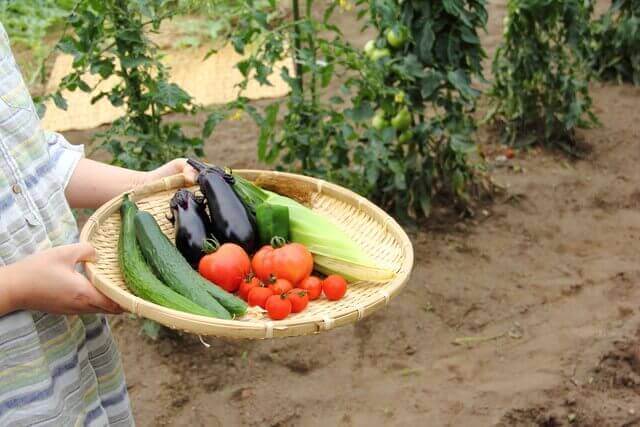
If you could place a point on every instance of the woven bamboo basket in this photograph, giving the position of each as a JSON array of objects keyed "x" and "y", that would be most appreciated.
[{"x": 378, "y": 234}]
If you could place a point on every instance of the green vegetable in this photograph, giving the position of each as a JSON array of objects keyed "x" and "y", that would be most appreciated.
[
  {"x": 369, "y": 47},
  {"x": 402, "y": 120},
  {"x": 138, "y": 275},
  {"x": 173, "y": 268},
  {"x": 377, "y": 54},
  {"x": 397, "y": 37},
  {"x": 333, "y": 251},
  {"x": 379, "y": 122},
  {"x": 405, "y": 137},
  {"x": 273, "y": 220}
]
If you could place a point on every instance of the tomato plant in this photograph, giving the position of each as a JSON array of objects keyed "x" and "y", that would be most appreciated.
[
  {"x": 616, "y": 37},
  {"x": 401, "y": 151},
  {"x": 541, "y": 88},
  {"x": 111, "y": 38}
]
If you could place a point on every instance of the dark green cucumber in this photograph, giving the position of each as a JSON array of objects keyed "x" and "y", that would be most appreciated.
[
  {"x": 138, "y": 275},
  {"x": 175, "y": 271}
]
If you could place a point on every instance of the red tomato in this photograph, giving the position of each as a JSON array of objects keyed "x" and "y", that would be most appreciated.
[
  {"x": 292, "y": 262},
  {"x": 299, "y": 299},
  {"x": 247, "y": 284},
  {"x": 259, "y": 296},
  {"x": 313, "y": 285},
  {"x": 334, "y": 287},
  {"x": 226, "y": 267},
  {"x": 278, "y": 307},
  {"x": 281, "y": 286}
]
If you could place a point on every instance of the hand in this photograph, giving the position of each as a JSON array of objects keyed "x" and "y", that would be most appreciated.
[
  {"x": 174, "y": 167},
  {"x": 48, "y": 282}
]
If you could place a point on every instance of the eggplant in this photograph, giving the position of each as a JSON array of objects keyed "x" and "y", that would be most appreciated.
[
  {"x": 192, "y": 224},
  {"x": 231, "y": 220}
]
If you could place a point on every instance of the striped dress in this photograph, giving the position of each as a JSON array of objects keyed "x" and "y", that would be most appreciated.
[{"x": 54, "y": 370}]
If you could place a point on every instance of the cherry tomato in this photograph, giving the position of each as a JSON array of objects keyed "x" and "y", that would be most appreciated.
[
  {"x": 313, "y": 285},
  {"x": 299, "y": 299},
  {"x": 226, "y": 267},
  {"x": 291, "y": 261},
  {"x": 334, "y": 287},
  {"x": 278, "y": 307},
  {"x": 281, "y": 286},
  {"x": 247, "y": 284},
  {"x": 259, "y": 296}
]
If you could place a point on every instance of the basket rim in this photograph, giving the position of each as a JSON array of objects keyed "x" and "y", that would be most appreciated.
[{"x": 255, "y": 329}]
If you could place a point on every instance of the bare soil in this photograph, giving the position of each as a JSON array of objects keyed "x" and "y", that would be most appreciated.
[{"x": 525, "y": 315}]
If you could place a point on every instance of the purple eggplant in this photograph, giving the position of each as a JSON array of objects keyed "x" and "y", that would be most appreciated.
[{"x": 193, "y": 226}]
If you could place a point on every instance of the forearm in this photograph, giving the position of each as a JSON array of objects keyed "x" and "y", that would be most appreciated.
[
  {"x": 93, "y": 183},
  {"x": 10, "y": 280}
]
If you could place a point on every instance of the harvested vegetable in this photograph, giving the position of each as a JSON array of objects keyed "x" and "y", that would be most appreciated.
[
  {"x": 280, "y": 286},
  {"x": 332, "y": 249},
  {"x": 258, "y": 296},
  {"x": 247, "y": 284},
  {"x": 272, "y": 221},
  {"x": 192, "y": 224},
  {"x": 225, "y": 265},
  {"x": 334, "y": 287},
  {"x": 313, "y": 285},
  {"x": 139, "y": 277},
  {"x": 170, "y": 265},
  {"x": 231, "y": 220},
  {"x": 299, "y": 299},
  {"x": 281, "y": 260},
  {"x": 278, "y": 307}
]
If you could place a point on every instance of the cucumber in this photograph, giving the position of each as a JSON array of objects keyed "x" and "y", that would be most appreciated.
[
  {"x": 138, "y": 275},
  {"x": 165, "y": 259}
]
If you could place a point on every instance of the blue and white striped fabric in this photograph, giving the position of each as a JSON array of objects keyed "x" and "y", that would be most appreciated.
[{"x": 54, "y": 370}]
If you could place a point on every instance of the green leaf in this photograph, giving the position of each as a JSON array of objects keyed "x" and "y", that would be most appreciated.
[
  {"x": 425, "y": 43},
  {"x": 461, "y": 82},
  {"x": 266, "y": 129},
  {"x": 171, "y": 95},
  {"x": 59, "y": 101}
]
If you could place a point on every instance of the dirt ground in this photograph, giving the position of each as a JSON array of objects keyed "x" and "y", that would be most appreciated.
[{"x": 525, "y": 315}]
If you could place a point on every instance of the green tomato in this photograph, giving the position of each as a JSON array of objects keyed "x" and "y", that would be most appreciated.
[
  {"x": 379, "y": 122},
  {"x": 405, "y": 137},
  {"x": 396, "y": 38},
  {"x": 369, "y": 47},
  {"x": 379, "y": 54},
  {"x": 402, "y": 120}
]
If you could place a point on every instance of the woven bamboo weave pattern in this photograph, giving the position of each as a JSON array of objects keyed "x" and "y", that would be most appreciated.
[{"x": 378, "y": 234}]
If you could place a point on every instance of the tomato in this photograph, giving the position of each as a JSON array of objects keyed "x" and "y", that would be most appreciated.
[
  {"x": 379, "y": 54},
  {"x": 396, "y": 37},
  {"x": 226, "y": 267},
  {"x": 247, "y": 284},
  {"x": 405, "y": 137},
  {"x": 379, "y": 122},
  {"x": 313, "y": 285},
  {"x": 278, "y": 307},
  {"x": 334, "y": 287},
  {"x": 369, "y": 47},
  {"x": 291, "y": 261},
  {"x": 299, "y": 299},
  {"x": 402, "y": 120},
  {"x": 281, "y": 286},
  {"x": 259, "y": 296}
]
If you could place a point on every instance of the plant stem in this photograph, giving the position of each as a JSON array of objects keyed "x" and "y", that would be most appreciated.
[
  {"x": 297, "y": 46},
  {"x": 312, "y": 47}
]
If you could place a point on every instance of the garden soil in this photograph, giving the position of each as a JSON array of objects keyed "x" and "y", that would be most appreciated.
[{"x": 526, "y": 314}]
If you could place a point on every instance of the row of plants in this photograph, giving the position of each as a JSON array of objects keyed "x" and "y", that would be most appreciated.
[{"x": 394, "y": 121}]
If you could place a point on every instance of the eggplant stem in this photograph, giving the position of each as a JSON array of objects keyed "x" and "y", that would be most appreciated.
[
  {"x": 210, "y": 245},
  {"x": 197, "y": 164}
]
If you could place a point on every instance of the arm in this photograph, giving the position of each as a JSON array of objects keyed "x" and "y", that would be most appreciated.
[
  {"x": 93, "y": 183},
  {"x": 48, "y": 281}
]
